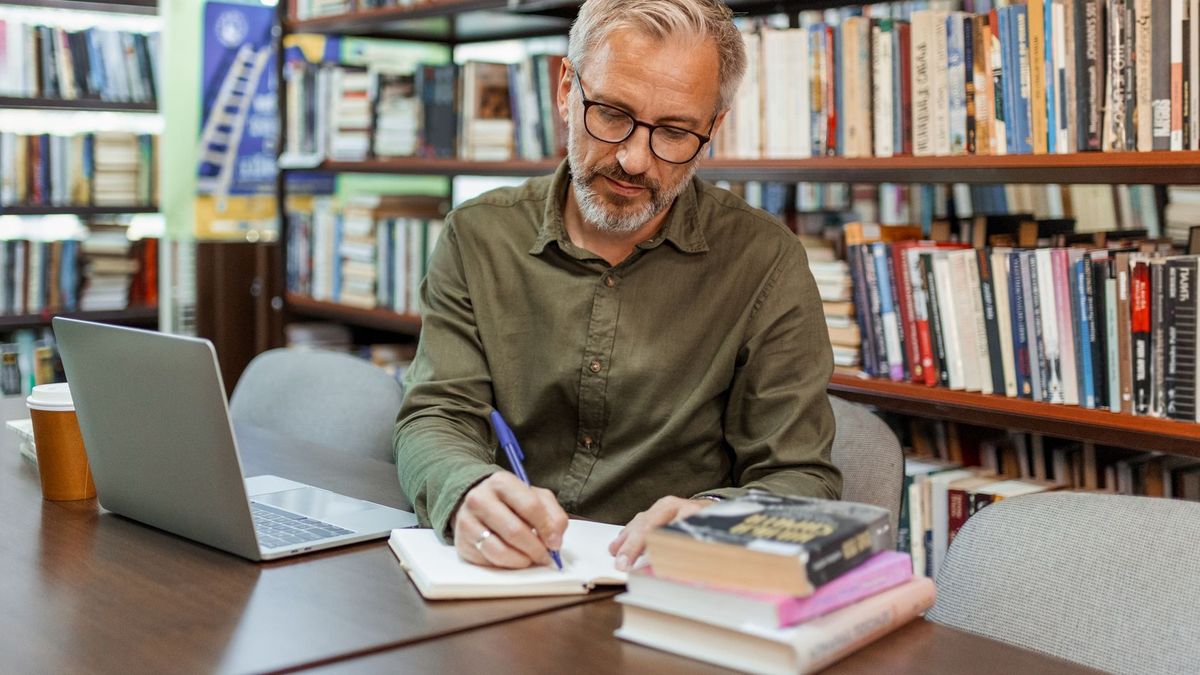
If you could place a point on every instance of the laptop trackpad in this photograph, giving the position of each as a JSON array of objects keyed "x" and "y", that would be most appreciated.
[{"x": 314, "y": 502}]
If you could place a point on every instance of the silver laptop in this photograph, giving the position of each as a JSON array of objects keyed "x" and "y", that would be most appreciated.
[{"x": 156, "y": 428}]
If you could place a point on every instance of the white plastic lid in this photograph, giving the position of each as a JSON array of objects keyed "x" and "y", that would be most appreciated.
[{"x": 53, "y": 397}]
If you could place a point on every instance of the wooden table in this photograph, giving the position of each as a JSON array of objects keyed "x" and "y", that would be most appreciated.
[
  {"x": 579, "y": 640},
  {"x": 82, "y": 590}
]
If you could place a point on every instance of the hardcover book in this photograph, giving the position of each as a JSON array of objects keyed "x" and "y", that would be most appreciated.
[
  {"x": 736, "y": 609},
  {"x": 805, "y": 648},
  {"x": 767, "y": 542}
]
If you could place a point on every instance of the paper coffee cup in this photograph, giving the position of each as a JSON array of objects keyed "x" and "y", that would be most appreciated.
[{"x": 62, "y": 462}]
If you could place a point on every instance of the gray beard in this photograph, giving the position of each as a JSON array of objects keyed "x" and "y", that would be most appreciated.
[{"x": 612, "y": 219}]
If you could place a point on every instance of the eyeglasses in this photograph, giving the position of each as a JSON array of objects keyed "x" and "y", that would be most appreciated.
[{"x": 607, "y": 124}]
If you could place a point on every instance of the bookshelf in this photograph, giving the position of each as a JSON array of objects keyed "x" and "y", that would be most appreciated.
[
  {"x": 1178, "y": 167},
  {"x": 89, "y": 105},
  {"x": 73, "y": 114},
  {"x": 455, "y": 22}
]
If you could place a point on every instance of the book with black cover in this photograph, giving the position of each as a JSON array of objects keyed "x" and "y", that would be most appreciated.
[{"x": 768, "y": 542}]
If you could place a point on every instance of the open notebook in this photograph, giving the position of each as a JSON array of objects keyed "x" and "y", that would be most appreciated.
[{"x": 440, "y": 574}]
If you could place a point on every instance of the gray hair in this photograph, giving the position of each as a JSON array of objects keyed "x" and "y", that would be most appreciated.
[{"x": 662, "y": 19}]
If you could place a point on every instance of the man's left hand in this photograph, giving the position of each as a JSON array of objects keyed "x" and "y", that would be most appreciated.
[{"x": 632, "y": 541}]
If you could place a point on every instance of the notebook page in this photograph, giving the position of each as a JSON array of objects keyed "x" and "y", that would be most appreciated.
[{"x": 440, "y": 573}]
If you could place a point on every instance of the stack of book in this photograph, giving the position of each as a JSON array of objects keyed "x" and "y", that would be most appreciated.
[
  {"x": 772, "y": 584},
  {"x": 96, "y": 64}
]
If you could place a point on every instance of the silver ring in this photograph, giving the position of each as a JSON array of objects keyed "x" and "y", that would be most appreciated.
[{"x": 482, "y": 538}]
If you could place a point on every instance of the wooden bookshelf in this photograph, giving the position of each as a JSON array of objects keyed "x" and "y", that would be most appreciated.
[
  {"x": 132, "y": 316},
  {"x": 86, "y": 104},
  {"x": 81, "y": 211},
  {"x": 1062, "y": 421},
  {"x": 382, "y": 319},
  {"x": 1163, "y": 167}
]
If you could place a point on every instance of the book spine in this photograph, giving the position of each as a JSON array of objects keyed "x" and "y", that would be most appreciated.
[
  {"x": 904, "y": 68},
  {"x": 1185, "y": 327},
  {"x": 1176, "y": 18},
  {"x": 1026, "y": 94},
  {"x": 1038, "y": 360},
  {"x": 1124, "y": 325},
  {"x": 1159, "y": 319},
  {"x": 1097, "y": 319},
  {"x": 987, "y": 292},
  {"x": 956, "y": 75},
  {"x": 1158, "y": 31},
  {"x": 862, "y": 308},
  {"x": 1020, "y": 336},
  {"x": 1139, "y": 316},
  {"x": 908, "y": 319},
  {"x": 1000, "y": 283},
  {"x": 865, "y": 622},
  {"x": 875, "y": 313},
  {"x": 1065, "y": 323},
  {"x": 1000, "y": 94},
  {"x": 886, "y": 570},
  {"x": 1085, "y": 334},
  {"x": 940, "y": 365},
  {"x": 887, "y": 312}
]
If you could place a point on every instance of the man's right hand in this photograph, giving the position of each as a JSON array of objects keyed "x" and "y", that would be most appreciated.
[{"x": 504, "y": 523}]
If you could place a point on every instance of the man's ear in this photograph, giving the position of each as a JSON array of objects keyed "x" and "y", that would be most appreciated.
[
  {"x": 566, "y": 73},
  {"x": 717, "y": 125}
]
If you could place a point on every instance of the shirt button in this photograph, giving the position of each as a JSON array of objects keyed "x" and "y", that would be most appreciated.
[
  {"x": 587, "y": 441},
  {"x": 594, "y": 367},
  {"x": 609, "y": 281}
]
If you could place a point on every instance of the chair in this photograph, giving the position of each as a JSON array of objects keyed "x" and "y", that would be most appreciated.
[
  {"x": 328, "y": 398},
  {"x": 870, "y": 457},
  {"x": 1108, "y": 581}
]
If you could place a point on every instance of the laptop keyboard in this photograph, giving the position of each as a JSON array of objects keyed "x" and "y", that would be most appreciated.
[{"x": 276, "y": 527}]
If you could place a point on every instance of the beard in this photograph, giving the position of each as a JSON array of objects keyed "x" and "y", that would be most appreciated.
[{"x": 617, "y": 214}]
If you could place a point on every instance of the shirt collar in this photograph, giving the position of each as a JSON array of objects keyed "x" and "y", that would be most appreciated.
[{"x": 681, "y": 227}]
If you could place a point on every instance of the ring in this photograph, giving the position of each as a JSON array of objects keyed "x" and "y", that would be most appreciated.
[{"x": 482, "y": 538}]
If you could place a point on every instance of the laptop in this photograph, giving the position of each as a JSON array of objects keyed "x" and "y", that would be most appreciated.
[{"x": 156, "y": 428}]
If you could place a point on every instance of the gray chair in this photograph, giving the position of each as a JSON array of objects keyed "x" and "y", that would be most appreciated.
[
  {"x": 870, "y": 457},
  {"x": 1108, "y": 581},
  {"x": 329, "y": 398}
]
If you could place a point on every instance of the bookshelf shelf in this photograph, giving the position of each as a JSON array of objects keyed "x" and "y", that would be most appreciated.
[
  {"x": 1164, "y": 167},
  {"x": 449, "y": 21},
  {"x": 76, "y": 104},
  {"x": 133, "y": 316},
  {"x": 439, "y": 167},
  {"x": 76, "y": 210},
  {"x": 1063, "y": 421},
  {"x": 381, "y": 319},
  {"x": 148, "y": 7}
]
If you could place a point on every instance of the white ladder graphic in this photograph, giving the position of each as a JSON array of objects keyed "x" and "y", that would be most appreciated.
[{"x": 223, "y": 130}]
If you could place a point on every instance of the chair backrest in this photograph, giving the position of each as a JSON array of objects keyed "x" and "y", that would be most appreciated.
[
  {"x": 1108, "y": 581},
  {"x": 328, "y": 398},
  {"x": 870, "y": 457}
]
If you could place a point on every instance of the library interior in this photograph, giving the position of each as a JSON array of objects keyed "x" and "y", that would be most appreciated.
[{"x": 376, "y": 336}]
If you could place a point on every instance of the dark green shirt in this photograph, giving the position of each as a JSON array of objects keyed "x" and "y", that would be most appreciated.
[{"x": 698, "y": 365}]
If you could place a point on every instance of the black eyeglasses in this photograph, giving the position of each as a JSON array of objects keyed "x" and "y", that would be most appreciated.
[{"x": 607, "y": 124}]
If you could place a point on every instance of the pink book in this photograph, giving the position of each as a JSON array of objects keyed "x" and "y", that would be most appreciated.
[
  {"x": 1061, "y": 265},
  {"x": 735, "y": 608}
]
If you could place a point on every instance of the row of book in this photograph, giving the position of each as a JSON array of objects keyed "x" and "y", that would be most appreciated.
[
  {"x": 1093, "y": 207},
  {"x": 369, "y": 252},
  {"x": 393, "y": 358},
  {"x": 1097, "y": 327},
  {"x": 29, "y": 358},
  {"x": 927, "y": 79},
  {"x": 69, "y": 275},
  {"x": 107, "y": 168},
  {"x": 478, "y": 111},
  {"x": 772, "y": 584},
  {"x": 97, "y": 64},
  {"x": 954, "y": 470},
  {"x": 1071, "y": 464}
]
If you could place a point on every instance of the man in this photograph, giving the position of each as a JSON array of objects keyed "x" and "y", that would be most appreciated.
[{"x": 654, "y": 343}]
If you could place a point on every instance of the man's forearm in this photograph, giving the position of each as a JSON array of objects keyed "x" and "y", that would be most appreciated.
[{"x": 436, "y": 466}]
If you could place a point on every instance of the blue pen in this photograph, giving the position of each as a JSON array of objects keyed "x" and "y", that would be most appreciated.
[{"x": 512, "y": 449}]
